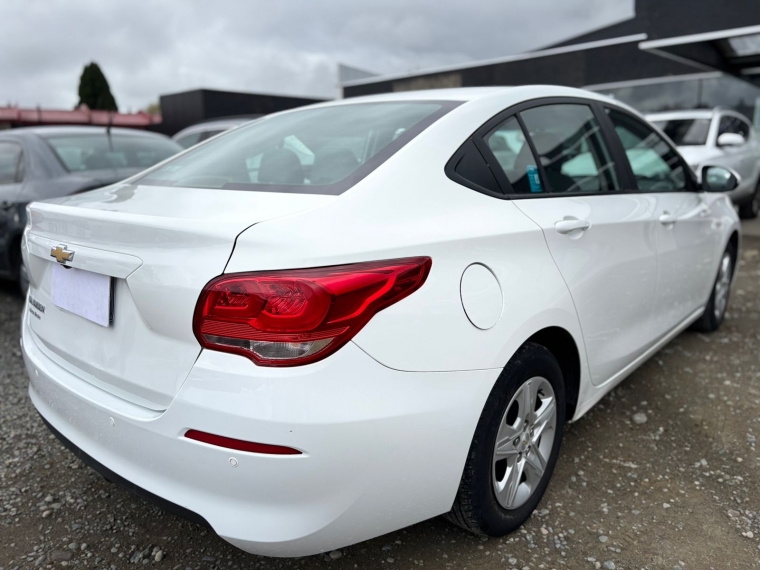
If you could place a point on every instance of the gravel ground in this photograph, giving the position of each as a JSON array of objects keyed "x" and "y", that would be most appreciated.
[{"x": 663, "y": 473}]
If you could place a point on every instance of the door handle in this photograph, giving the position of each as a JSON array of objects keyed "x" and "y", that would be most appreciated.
[
  {"x": 668, "y": 219},
  {"x": 567, "y": 226}
]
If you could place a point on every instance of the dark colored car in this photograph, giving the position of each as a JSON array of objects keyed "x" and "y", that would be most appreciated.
[{"x": 38, "y": 163}]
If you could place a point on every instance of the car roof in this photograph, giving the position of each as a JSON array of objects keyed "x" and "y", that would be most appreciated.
[
  {"x": 49, "y": 131},
  {"x": 470, "y": 94}
]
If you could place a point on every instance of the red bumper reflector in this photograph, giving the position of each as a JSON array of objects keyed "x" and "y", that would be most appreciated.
[{"x": 239, "y": 444}]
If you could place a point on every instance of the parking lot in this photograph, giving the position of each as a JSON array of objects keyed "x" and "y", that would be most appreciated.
[{"x": 663, "y": 473}]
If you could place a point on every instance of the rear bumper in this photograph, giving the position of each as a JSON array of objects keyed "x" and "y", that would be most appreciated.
[{"x": 382, "y": 449}]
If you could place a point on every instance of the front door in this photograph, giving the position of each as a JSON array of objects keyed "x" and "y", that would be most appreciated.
[{"x": 682, "y": 220}]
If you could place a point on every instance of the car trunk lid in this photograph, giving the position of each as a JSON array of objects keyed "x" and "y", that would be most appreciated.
[{"x": 160, "y": 246}]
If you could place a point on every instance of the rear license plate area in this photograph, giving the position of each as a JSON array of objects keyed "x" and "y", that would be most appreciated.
[{"x": 83, "y": 293}]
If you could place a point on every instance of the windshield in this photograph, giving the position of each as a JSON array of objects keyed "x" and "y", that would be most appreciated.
[
  {"x": 82, "y": 153},
  {"x": 686, "y": 132},
  {"x": 317, "y": 150}
]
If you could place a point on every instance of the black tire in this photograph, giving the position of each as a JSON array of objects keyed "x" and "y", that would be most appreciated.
[
  {"x": 711, "y": 319},
  {"x": 476, "y": 507},
  {"x": 751, "y": 208}
]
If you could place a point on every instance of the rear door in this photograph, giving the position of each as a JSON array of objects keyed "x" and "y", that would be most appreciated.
[
  {"x": 685, "y": 243},
  {"x": 565, "y": 176}
]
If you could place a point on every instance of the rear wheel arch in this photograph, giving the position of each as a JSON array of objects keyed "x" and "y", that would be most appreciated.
[{"x": 563, "y": 347}]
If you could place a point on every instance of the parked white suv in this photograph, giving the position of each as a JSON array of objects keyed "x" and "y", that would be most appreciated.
[{"x": 718, "y": 137}]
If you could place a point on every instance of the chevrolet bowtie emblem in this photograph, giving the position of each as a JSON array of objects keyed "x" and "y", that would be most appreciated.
[{"x": 61, "y": 254}]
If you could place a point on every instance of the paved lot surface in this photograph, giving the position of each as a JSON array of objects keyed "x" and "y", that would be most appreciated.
[{"x": 678, "y": 490}]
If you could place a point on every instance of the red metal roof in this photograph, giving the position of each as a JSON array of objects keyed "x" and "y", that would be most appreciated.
[{"x": 79, "y": 116}]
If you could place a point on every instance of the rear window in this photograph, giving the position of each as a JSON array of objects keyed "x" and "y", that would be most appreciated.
[
  {"x": 319, "y": 150},
  {"x": 82, "y": 153},
  {"x": 686, "y": 132}
]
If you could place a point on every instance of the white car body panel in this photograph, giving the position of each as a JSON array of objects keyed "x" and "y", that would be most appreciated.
[
  {"x": 613, "y": 288},
  {"x": 410, "y": 386}
]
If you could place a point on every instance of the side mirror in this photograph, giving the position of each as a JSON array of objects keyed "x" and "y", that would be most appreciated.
[
  {"x": 731, "y": 139},
  {"x": 719, "y": 179}
]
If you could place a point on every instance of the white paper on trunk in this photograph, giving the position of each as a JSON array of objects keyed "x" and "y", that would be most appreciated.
[{"x": 83, "y": 293}]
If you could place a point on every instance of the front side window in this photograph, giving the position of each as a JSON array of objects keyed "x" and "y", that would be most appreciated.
[
  {"x": 320, "y": 150},
  {"x": 82, "y": 153},
  {"x": 729, "y": 124},
  {"x": 655, "y": 165},
  {"x": 10, "y": 163},
  {"x": 686, "y": 132},
  {"x": 571, "y": 150}
]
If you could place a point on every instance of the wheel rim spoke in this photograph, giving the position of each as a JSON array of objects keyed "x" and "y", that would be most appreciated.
[
  {"x": 525, "y": 412},
  {"x": 513, "y": 483},
  {"x": 535, "y": 462},
  {"x": 546, "y": 415}
]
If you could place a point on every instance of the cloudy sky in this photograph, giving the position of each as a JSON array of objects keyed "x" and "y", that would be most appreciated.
[{"x": 149, "y": 47}]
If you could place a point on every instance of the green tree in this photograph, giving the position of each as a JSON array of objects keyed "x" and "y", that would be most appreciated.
[
  {"x": 94, "y": 90},
  {"x": 153, "y": 108}
]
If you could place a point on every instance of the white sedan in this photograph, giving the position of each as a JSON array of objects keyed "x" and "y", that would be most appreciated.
[{"x": 344, "y": 319}]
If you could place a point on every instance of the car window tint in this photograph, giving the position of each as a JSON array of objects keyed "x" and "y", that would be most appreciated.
[
  {"x": 686, "y": 132},
  {"x": 730, "y": 124},
  {"x": 291, "y": 152},
  {"x": 570, "y": 146},
  {"x": 10, "y": 163},
  {"x": 512, "y": 151},
  {"x": 189, "y": 140},
  {"x": 81, "y": 153},
  {"x": 208, "y": 134},
  {"x": 655, "y": 165}
]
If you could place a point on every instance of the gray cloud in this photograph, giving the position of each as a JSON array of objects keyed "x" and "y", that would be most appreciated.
[{"x": 149, "y": 47}]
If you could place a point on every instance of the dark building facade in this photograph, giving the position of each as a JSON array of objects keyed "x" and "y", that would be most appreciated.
[
  {"x": 671, "y": 54},
  {"x": 180, "y": 110}
]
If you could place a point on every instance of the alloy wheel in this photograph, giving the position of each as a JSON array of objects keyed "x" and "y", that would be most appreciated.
[
  {"x": 524, "y": 442},
  {"x": 722, "y": 286}
]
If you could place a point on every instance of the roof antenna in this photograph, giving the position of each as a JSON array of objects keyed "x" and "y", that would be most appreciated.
[{"x": 108, "y": 131}]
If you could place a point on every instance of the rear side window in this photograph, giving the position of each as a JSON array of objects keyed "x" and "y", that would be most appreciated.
[
  {"x": 570, "y": 147},
  {"x": 509, "y": 145},
  {"x": 318, "y": 150},
  {"x": 82, "y": 153},
  {"x": 655, "y": 165},
  {"x": 10, "y": 163}
]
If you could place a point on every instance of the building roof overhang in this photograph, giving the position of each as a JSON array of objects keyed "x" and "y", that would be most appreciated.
[{"x": 735, "y": 51}]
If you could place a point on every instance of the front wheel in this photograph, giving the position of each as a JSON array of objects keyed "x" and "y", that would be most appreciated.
[
  {"x": 515, "y": 446},
  {"x": 715, "y": 311}
]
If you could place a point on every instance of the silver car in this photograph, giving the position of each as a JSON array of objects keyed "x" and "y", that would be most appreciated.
[{"x": 719, "y": 137}]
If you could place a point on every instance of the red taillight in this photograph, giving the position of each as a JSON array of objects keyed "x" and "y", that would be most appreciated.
[
  {"x": 239, "y": 444},
  {"x": 292, "y": 317}
]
